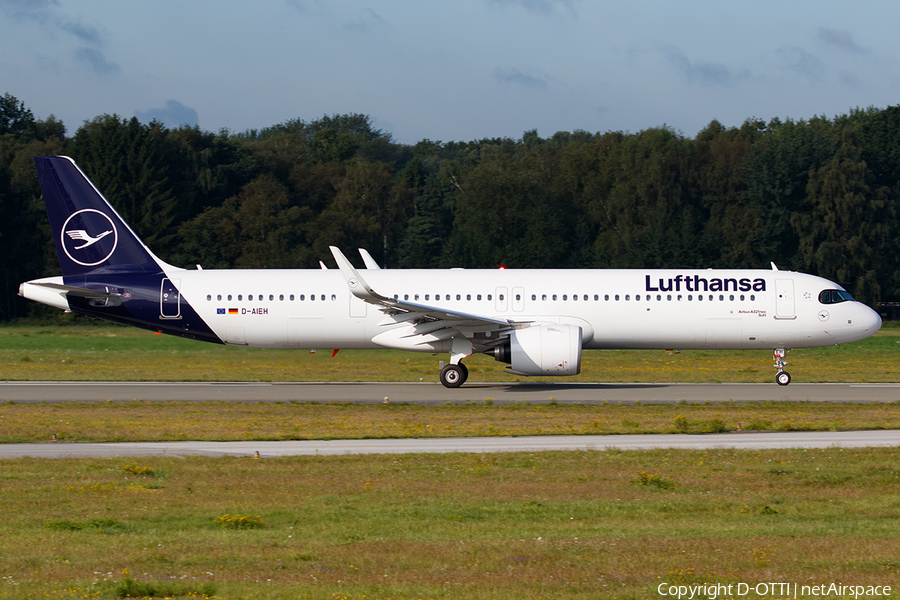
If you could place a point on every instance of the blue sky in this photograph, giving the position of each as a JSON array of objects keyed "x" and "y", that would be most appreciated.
[{"x": 452, "y": 70}]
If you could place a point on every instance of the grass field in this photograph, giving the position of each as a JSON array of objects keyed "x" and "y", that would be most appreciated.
[
  {"x": 105, "y": 352},
  {"x": 165, "y": 421},
  {"x": 581, "y": 525}
]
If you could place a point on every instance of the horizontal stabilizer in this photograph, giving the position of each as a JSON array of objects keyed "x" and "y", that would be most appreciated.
[{"x": 75, "y": 291}]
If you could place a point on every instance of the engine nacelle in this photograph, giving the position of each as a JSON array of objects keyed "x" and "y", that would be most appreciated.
[{"x": 543, "y": 349}]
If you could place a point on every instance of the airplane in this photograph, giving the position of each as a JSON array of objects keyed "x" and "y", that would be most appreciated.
[{"x": 536, "y": 321}]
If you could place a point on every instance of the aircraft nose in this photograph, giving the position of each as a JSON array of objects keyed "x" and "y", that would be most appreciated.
[
  {"x": 870, "y": 320},
  {"x": 862, "y": 322}
]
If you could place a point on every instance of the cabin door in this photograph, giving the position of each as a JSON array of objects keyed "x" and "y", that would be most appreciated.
[
  {"x": 784, "y": 299},
  {"x": 170, "y": 299}
]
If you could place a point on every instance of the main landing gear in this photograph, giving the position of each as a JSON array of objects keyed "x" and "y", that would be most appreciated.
[
  {"x": 453, "y": 376},
  {"x": 782, "y": 377}
]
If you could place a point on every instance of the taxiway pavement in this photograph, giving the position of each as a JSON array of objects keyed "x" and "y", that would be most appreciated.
[
  {"x": 433, "y": 393},
  {"x": 739, "y": 440}
]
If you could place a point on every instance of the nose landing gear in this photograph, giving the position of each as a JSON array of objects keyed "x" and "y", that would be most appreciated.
[{"x": 782, "y": 377}]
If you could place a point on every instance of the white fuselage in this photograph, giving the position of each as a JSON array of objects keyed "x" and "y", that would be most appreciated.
[{"x": 615, "y": 308}]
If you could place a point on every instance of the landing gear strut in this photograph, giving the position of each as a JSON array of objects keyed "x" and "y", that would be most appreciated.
[
  {"x": 453, "y": 376},
  {"x": 782, "y": 377}
]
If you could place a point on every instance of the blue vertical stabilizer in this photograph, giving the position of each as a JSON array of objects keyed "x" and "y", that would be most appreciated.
[{"x": 90, "y": 236}]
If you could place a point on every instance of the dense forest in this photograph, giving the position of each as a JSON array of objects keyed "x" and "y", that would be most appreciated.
[{"x": 818, "y": 195}]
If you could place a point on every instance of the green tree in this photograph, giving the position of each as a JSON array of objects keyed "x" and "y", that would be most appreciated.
[
  {"x": 849, "y": 224},
  {"x": 15, "y": 118},
  {"x": 125, "y": 161}
]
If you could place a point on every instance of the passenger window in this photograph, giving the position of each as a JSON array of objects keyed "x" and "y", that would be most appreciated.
[
  {"x": 426, "y": 297},
  {"x": 209, "y": 297},
  {"x": 627, "y": 297},
  {"x": 281, "y": 297},
  {"x": 406, "y": 296},
  {"x": 544, "y": 297},
  {"x": 478, "y": 297},
  {"x": 489, "y": 297},
  {"x": 312, "y": 297},
  {"x": 239, "y": 297},
  {"x": 518, "y": 297},
  {"x": 606, "y": 297},
  {"x": 721, "y": 297},
  {"x": 597, "y": 297},
  {"x": 302, "y": 297},
  {"x": 448, "y": 296},
  {"x": 679, "y": 297},
  {"x": 700, "y": 297},
  {"x": 458, "y": 297},
  {"x": 416, "y": 297},
  {"x": 742, "y": 297},
  {"x": 468, "y": 296},
  {"x": 731, "y": 297},
  {"x": 554, "y": 297},
  {"x": 659, "y": 297},
  {"x": 534, "y": 297},
  {"x": 565, "y": 297},
  {"x": 219, "y": 297},
  {"x": 669, "y": 297},
  {"x": 292, "y": 297},
  {"x": 617, "y": 297},
  {"x": 637, "y": 297},
  {"x": 752, "y": 297},
  {"x": 575, "y": 297},
  {"x": 500, "y": 297}
]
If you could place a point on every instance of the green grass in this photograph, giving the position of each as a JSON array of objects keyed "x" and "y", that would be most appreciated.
[
  {"x": 166, "y": 421},
  {"x": 104, "y": 352},
  {"x": 582, "y": 525}
]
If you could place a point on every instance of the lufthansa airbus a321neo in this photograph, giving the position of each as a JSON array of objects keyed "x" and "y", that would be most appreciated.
[{"x": 536, "y": 321}]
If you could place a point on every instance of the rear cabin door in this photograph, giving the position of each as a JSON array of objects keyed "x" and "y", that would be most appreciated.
[{"x": 170, "y": 299}]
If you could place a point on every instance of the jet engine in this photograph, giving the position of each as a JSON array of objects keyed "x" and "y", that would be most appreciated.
[{"x": 542, "y": 349}]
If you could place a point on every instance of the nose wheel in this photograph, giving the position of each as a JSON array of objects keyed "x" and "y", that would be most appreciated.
[
  {"x": 782, "y": 377},
  {"x": 453, "y": 376}
]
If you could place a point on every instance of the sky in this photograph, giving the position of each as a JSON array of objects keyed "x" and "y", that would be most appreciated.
[{"x": 455, "y": 70}]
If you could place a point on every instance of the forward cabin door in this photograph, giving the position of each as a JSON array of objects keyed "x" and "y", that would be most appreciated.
[{"x": 784, "y": 299}]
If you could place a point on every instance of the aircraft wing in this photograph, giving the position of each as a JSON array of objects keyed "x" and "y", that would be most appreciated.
[{"x": 409, "y": 311}]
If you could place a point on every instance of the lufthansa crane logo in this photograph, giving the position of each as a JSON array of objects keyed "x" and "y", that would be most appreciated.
[{"x": 89, "y": 237}]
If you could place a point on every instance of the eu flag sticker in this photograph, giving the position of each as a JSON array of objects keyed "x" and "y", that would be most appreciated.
[{"x": 220, "y": 311}]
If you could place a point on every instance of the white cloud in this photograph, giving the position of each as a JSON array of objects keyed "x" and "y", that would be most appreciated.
[{"x": 175, "y": 114}]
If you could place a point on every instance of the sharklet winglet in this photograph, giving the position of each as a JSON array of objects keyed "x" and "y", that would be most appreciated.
[{"x": 358, "y": 286}]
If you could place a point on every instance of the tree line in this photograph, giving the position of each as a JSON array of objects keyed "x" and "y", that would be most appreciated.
[{"x": 818, "y": 195}]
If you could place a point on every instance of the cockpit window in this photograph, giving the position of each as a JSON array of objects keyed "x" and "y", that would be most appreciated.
[{"x": 834, "y": 296}]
